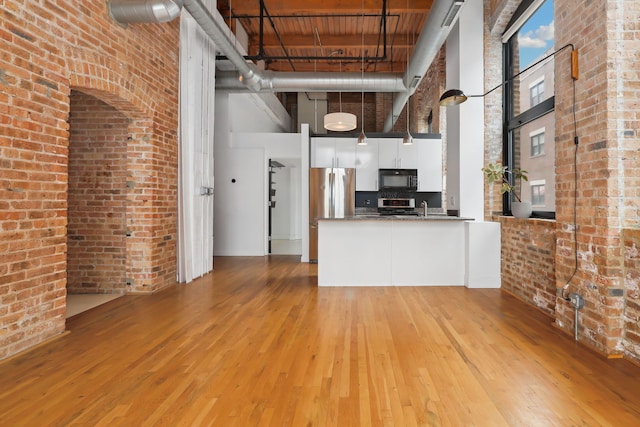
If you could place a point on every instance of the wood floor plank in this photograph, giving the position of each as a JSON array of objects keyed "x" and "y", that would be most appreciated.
[{"x": 257, "y": 343}]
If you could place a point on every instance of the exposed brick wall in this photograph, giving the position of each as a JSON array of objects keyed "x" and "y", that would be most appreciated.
[
  {"x": 528, "y": 261},
  {"x": 376, "y": 109},
  {"x": 426, "y": 98},
  {"x": 96, "y": 253},
  {"x": 352, "y": 103},
  {"x": 48, "y": 49},
  {"x": 627, "y": 135},
  {"x": 599, "y": 32},
  {"x": 607, "y": 34},
  {"x": 632, "y": 294},
  {"x": 498, "y": 15}
]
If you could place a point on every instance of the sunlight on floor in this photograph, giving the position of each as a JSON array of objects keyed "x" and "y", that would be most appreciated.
[{"x": 77, "y": 303}]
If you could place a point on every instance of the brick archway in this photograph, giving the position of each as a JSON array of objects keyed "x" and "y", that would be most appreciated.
[{"x": 113, "y": 83}]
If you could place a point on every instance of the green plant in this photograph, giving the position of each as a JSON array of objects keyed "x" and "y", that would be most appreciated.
[{"x": 497, "y": 173}]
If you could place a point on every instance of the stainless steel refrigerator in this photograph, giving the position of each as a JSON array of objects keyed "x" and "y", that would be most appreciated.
[{"x": 332, "y": 194}]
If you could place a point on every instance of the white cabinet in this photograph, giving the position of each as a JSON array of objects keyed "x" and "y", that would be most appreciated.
[
  {"x": 425, "y": 155},
  {"x": 387, "y": 153},
  {"x": 429, "y": 157},
  {"x": 408, "y": 156},
  {"x": 345, "y": 152},
  {"x": 323, "y": 152},
  {"x": 367, "y": 166},
  {"x": 333, "y": 152},
  {"x": 393, "y": 154},
  {"x": 381, "y": 252}
]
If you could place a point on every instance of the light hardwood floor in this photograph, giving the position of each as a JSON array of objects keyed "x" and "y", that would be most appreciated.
[{"x": 257, "y": 343}]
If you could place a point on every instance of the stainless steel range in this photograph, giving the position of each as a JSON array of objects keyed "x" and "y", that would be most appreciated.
[{"x": 397, "y": 206}]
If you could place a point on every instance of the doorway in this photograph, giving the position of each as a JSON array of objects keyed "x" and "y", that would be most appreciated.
[
  {"x": 284, "y": 195},
  {"x": 97, "y": 200}
]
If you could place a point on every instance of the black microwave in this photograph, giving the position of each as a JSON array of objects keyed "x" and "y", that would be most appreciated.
[{"x": 398, "y": 179}]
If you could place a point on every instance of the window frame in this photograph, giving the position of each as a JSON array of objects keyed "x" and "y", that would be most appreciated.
[
  {"x": 538, "y": 184},
  {"x": 539, "y": 136},
  {"x": 511, "y": 122},
  {"x": 539, "y": 93}
]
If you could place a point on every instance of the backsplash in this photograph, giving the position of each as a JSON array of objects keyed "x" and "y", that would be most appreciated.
[{"x": 369, "y": 199}]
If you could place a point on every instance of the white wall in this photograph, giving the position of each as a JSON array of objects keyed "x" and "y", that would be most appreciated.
[
  {"x": 257, "y": 113},
  {"x": 453, "y": 121},
  {"x": 246, "y": 137},
  {"x": 465, "y": 123}
]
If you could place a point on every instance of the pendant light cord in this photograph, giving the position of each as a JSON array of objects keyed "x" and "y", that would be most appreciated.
[
  {"x": 406, "y": 71},
  {"x": 362, "y": 66},
  {"x": 340, "y": 93}
]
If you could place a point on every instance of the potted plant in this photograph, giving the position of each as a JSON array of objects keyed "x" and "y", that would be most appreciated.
[{"x": 497, "y": 173}]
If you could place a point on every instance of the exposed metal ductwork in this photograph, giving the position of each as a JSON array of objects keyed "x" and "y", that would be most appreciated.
[
  {"x": 139, "y": 11},
  {"x": 282, "y": 81},
  {"x": 434, "y": 32},
  {"x": 249, "y": 76}
]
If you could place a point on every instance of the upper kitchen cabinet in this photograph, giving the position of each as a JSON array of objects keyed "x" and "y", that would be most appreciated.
[
  {"x": 333, "y": 152},
  {"x": 392, "y": 154},
  {"x": 425, "y": 155},
  {"x": 367, "y": 166},
  {"x": 346, "y": 152},
  {"x": 429, "y": 164}
]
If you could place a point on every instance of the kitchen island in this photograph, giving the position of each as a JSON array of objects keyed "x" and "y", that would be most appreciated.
[{"x": 432, "y": 250}]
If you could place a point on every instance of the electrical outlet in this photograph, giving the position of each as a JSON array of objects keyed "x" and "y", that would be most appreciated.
[{"x": 576, "y": 300}]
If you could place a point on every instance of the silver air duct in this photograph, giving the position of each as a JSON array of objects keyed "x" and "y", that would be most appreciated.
[
  {"x": 250, "y": 77},
  {"x": 249, "y": 73},
  {"x": 281, "y": 81},
  {"x": 140, "y": 11},
  {"x": 433, "y": 35}
]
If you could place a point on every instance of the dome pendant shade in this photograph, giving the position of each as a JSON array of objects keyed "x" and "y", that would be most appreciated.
[
  {"x": 452, "y": 97},
  {"x": 340, "y": 122}
]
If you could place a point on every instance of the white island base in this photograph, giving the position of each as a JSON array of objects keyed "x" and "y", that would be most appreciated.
[{"x": 408, "y": 252}]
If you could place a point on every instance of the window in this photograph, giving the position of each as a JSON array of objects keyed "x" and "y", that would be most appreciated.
[
  {"x": 537, "y": 193},
  {"x": 529, "y": 139},
  {"x": 537, "y": 143},
  {"x": 536, "y": 93}
]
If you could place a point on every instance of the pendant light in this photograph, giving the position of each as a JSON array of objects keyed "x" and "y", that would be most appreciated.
[
  {"x": 362, "y": 138},
  {"x": 340, "y": 122},
  {"x": 407, "y": 139}
]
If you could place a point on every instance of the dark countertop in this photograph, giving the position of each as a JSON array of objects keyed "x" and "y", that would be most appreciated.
[{"x": 378, "y": 217}]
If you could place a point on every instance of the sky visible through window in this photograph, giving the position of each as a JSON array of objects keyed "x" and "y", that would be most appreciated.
[{"x": 537, "y": 35}]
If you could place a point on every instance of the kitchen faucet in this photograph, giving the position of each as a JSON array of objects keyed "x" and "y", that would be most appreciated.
[{"x": 424, "y": 207}]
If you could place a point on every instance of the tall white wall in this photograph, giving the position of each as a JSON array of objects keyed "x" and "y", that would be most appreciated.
[
  {"x": 246, "y": 137},
  {"x": 453, "y": 121},
  {"x": 465, "y": 123}
]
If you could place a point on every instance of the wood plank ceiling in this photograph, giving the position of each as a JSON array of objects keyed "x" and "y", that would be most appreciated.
[{"x": 329, "y": 35}]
